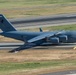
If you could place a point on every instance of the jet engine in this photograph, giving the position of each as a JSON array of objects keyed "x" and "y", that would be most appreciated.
[
  {"x": 54, "y": 40},
  {"x": 63, "y": 38}
]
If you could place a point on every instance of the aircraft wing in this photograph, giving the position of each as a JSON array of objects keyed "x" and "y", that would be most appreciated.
[
  {"x": 31, "y": 43},
  {"x": 40, "y": 37},
  {"x": 44, "y": 35},
  {"x": 22, "y": 47}
]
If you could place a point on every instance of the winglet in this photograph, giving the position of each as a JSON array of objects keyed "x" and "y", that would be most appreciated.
[{"x": 40, "y": 29}]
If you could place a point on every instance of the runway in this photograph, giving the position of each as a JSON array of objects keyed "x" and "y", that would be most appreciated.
[
  {"x": 5, "y": 46},
  {"x": 71, "y": 72},
  {"x": 9, "y": 45},
  {"x": 40, "y": 21}
]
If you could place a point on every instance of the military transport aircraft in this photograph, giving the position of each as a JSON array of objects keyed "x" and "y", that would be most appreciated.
[{"x": 32, "y": 39}]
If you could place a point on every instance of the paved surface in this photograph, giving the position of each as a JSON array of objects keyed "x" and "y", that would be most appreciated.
[
  {"x": 15, "y": 45},
  {"x": 9, "y": 45},
  {"x": 71, "y": 72},
  {"x": 41, "y": 21}
]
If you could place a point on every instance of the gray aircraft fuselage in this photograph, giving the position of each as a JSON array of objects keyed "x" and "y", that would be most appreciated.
[{"x": 24, "y": 36}]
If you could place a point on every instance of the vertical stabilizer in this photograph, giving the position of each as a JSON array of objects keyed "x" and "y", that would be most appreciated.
[{"x": 5, "y": 25}]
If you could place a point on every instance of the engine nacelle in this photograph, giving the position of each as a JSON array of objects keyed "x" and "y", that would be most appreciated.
[
  {"x": 63, "y": 38},
  {"x": 54, "y": 40}
]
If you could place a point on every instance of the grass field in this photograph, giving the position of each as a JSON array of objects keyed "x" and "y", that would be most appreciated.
[
  {"x": 26, "y": 68},
  {"x": 23, "y": 8},
  {"x": 36, "y": 61},
  {"x": 52, "y": 28},
  {"x": 33, "y": 2},
  {"x": 62, "y": 27}
]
